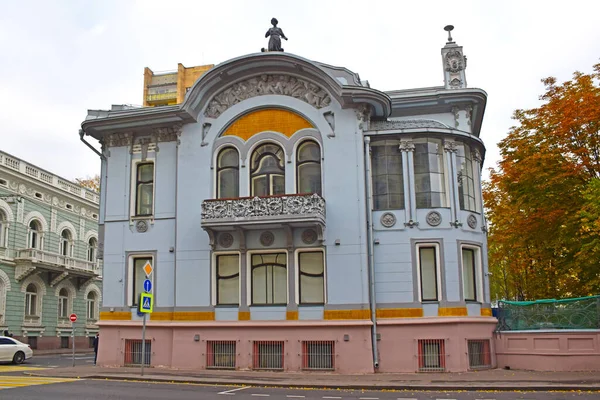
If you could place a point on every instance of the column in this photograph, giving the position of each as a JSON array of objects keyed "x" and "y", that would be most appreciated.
[
  {"x": 244, "y": 308},
  {"x": 407, "y": 147},
  {"x": 450, "y": 150}
]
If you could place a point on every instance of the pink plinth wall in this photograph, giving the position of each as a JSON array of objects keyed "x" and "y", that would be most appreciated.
[
  {"x": 549, "y": 351},
  {"x": 398, "y": 347}
]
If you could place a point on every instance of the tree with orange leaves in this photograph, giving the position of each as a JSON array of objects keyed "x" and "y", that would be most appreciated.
[
  {"x": 542, "y": 199},
  {"x": 90, "y": 183}
]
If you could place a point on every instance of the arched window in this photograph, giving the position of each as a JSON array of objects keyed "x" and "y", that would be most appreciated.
[
  {"x": 91, "y": 305},
  {"x": 228, "y": 172},
  {"x": 267, "y": 173},
  {"x": 3, "y": 229},
  {"x": 31, "y": 300},
  {"x": 308, "y": 168},
  {"x": 65, "y": 243},
  {"x": 92, "y": 249},
  {"x": 35, "y": 235},
  {"x": 63, "y": 303}
]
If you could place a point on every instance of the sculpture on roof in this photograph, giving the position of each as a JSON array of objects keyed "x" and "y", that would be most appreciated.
[{"x": 275, "y": 34}]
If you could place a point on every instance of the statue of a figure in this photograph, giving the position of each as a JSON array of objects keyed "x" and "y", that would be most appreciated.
[{"x": 276, "y": 34}]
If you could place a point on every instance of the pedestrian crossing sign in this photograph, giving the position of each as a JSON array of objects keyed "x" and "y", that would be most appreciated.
[{"x": 146, "y": 303}]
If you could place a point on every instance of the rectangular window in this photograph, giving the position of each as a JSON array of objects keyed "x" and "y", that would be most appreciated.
[
  {"x": 429, "y": 273},
  {"x": 469, "y": 274},
  {"x": 269, "y": 279},
  {"x": 311, "y": 270},
  {"x": 318, "y": 355},
  {"x": 432, "y": 355},
  {"x": 268, "y": 355},
  {"x": 138, "y": 278},
  {"x": 144, "y": 189},
  {"x": 64, "y": 342},
  {"x": 466, "y": 183},
  {"x": 30, "y": 304},
  {"x": 62, "y": 307},
  {"x": 228, "y": 279},
  {"x": 220, "y": 354},
  {"x": 430, "y": 184},
  {"x": 387, "y": 175},
  {"x": 91, "y": 309}
]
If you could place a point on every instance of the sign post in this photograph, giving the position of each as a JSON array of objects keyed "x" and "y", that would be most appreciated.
[
  {"x": 146, "y": 306},
  {"x": 73, "y": 318}
]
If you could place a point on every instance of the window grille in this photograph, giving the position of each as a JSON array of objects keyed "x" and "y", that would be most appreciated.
[
  {"x": 268, "y": 355},
  {"x": 133, "y": 352},
  {"x": 318, "y": 355},
  {"x": 431, "y": 354},
  {"x": 479, "y": 354},
  {"x": 220, "y": 354},
  {"x": 64, "y": 342}
]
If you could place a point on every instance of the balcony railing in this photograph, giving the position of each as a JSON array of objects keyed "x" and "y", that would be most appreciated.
[
  {"x": 162, "y": 96},
  {"x": 56, "y": 259},
  {"x": 286, "y": 206},
  {"x": 5, "y": 252}
]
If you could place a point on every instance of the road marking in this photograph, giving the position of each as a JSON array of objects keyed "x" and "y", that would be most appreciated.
[
  {"x": 368, "y": 398},
  {"x": 406, "y": 398},
  {"x": 294, "y": 397},
  {"x": 333, "y": 397},
  {"x": 230, "y": 392},
  {"x": 260, "y": 395},
  {"x": 8, "y": 382},
  {"x": 13, "y": 368}
]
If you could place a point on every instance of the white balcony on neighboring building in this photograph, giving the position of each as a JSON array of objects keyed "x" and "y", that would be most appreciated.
[{"x": 59, "y": 267}]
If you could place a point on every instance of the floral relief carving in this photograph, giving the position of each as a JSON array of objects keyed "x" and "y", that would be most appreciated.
[
  {"x": 455, "y": 61},
  {"x": 284, "y": 85},
  {"x": 388, "y": 219},
  {"x": 263, "y": 206},
  {"x": 119, "y": 139},
  {"x": 472, "y": 221},
  {"x": 407, "y": 145},
  {"x": 309, "y": 236},
  {"x": 450, "y": 146},
  {"x": 267, "y": 238},
  {"x": 141, "y": 226},
  {"x": 225, "y": 240},
  {"x": 434, "y": 218}
]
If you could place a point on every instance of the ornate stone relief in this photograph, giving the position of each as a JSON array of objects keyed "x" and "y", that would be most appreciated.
[
  {"x": 141, "y": 226},
  {"x": 119, "y": 139},
  {"x": 469, "y": 111},
  {"x": 450, "y": 146},
  {"x": 225, "y": 240},
  {"x": 263, "y": 206},
  {"x": 476, "y": 155},
  {"x": 472, "y": 221},
  {"x": 405, "y": 124},
  {"x": 267, "y": 238},
  {"x": 407, "y": 145},
  {"x": 309, "y": 236},
  {"x": 284, "y": 85},
  {"x": 388, "y": 219},
  {"x": 455, "y": 111},
  {"x": 167, "y": 134},
  {"x": 434, "y": 218},
  {"x": 455, "y": 61}
]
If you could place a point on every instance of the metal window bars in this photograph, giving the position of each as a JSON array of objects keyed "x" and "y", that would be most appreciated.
[
  {"x": 318, "y": 355},
  {"x": 479, "y": 354},
  {"x": 133, "y": 352},
  {"x": 431, "y": 355},
  {"x": 220, "y": 354},
  {"x": 268, "y": 354}
]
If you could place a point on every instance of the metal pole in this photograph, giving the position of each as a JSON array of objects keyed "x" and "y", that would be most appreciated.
[
  {"x": 73, "y": 335},
  {"x": 143, "y": 343}
]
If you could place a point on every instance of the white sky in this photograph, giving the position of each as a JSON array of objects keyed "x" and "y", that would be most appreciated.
[{"x": 60, "y": 58}]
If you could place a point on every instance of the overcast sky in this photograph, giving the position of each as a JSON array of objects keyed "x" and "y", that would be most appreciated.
[{"x": 60, "y": 58}]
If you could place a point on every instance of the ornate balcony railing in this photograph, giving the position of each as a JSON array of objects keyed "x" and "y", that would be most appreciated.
[
  {"x": 286, "y": 206},
  {"x": 45, "y": 257},
  {"x": 162, "y": 96}
]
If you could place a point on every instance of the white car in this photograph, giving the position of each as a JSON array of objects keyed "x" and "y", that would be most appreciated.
[{"x": 13, "y": 350}]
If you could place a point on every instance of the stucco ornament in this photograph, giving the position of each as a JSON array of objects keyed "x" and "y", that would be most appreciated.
[
  {"x": 267, "y": 238},
  {"x": 388, "y": 219},
  {"x": 309, "y": 236},
  {"x": 225, "y": 240},
  {"x": 434, "y": 218},
  {"x": 455, "y": 61},
  {"x": 262, "y": 207},
  {"x": 284, "y": 85},
  {"x": 141, "y": 226},
  {"x": 472, "y": 221}
]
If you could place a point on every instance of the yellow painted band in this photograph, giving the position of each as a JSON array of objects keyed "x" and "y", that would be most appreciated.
[
  {"x": 399, "y": 313},
  {"x": 452, "y": 312},
  {"x": 115, "y": 316},
  {"x": 486, "y": 312},
  {"x": 346, "y": 314}
]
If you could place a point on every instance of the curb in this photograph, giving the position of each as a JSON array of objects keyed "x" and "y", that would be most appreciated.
[{"x": 505, "y": 387}]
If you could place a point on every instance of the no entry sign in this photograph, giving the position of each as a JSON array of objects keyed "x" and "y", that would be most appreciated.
[{"x": 73, "y": 317}]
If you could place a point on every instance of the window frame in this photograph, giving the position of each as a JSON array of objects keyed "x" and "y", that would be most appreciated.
[
  {"x": 252, "y": 171},
  {"x": 219, "y": 169},
  {"x": 383, "y": 143},
  {"x": 65, "y": 244},
  {"x": 305, "y": 162},
  {"x": 63, "y": 304},
  {"x": 37, "y": 233},
  {"x": 4, "y": 225},
  {"x": 92, "y": 250},
  {"x": 137, "y": 166},
  {"x": 444, "y": 166},
  {"x": 131, "y": 300},
  {"x": 249, "y": 277},
  {"x": 91, "y": 304},
  {"x": 468, "y": 158},
  {"x": 299, "y": 273},
  {"x": 438, "y": 278},
  {"x": 477, "y": 270},
  {"x": 32, "y": 298},
  {"x": 215, "y": 282}
]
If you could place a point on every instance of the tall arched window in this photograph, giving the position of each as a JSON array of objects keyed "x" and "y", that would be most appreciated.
[
  {"x": 228, "y": 173},
  {"x": 308, "y": 168},
  {"x": 63, "y": 303},
  {"x": 92, "y": 248},
  {"x": 65, "y": 243},
  {"x": 267, "y": 173},
  {"x": 3, "y": 229},
  {"x": 31, "y": 296},
  {"x": 35, "y": 235},
  {"x": 91, "y": 305}
]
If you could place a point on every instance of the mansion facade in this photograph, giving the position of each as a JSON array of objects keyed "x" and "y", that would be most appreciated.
[{"x": 297, "y": 219}]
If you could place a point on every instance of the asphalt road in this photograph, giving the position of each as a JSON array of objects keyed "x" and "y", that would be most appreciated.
[{"x": 105, "y": 390}]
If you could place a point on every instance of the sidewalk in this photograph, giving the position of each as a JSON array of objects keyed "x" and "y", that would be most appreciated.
[{"x": 495, "y": 379}]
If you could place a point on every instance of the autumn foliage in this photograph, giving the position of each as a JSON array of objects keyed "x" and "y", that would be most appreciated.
[
  {"x": 543, "y": 199},
  {"x": 90, "y": 183}
]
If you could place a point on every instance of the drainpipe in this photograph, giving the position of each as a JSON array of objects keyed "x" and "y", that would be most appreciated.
[
  {"x": 370, "y": 255},
  {"x": 81, "y": 135}
]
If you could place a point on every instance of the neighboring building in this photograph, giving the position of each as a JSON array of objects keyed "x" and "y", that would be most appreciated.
[
  {"x": 169, "y": 88},
  {"x": 297, "y": 218},
  {"x": 48, "y": 264}
]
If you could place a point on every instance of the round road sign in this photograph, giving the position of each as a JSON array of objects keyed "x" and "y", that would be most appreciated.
[{"x": 73, "y": 317}]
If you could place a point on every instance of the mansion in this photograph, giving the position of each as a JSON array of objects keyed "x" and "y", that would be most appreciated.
[{"x": 297, "y": 219}]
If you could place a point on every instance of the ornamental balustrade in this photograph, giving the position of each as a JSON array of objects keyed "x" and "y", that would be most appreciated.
[
  {"x": 294, "y": 205},
  {"x": 45, "y": 257}
]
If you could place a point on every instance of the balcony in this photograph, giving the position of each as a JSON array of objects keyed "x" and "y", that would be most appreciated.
[
  {"x": 58, "y": 267},
  {"x": 161, "y": 97},
  {"x": 286, "y": 211}
]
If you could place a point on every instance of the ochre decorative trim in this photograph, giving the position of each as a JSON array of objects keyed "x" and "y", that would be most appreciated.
[
  {"x": 243, "y": 315},
  {"x": 453, "y": 312},
  {"x": 346, "y": 314},
  {"x": 486, "y": 312},
  {"x": 161, "y": 316},
  {"x": 276, "y": 120},
  {"x": 115, "y": 316},
  {"x": 291, "y": 315},
  {"x": 194, "y": 316},
  {"x": 399, "y": 313}
]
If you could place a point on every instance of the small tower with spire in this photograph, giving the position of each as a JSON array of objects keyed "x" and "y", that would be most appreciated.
[{"x": 455, "y": 63}]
